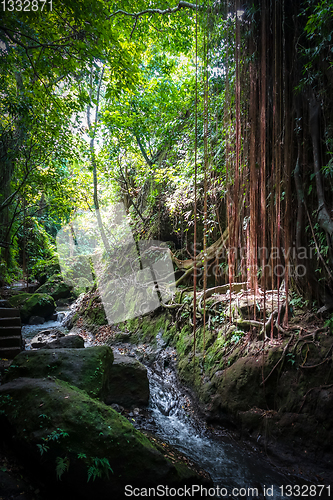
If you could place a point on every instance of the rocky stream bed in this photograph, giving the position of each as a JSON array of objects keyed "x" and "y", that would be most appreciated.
[{"x": 201, "y": 415}]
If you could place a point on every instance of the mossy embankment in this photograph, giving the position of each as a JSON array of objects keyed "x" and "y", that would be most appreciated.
[
  {"x": 278, "y": 391},
  {"x": 54, "y": 417}
]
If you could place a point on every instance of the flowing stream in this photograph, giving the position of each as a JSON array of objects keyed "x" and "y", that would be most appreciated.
[
  {"x": 240, "y": 473},
  {"x": 29, "y": 331}
]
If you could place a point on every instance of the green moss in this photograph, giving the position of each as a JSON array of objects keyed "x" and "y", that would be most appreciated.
[
  {"x": 184, "y": 343},
  {"x": 143, "y": 329},
  {"x": 132, "y": 324},
  {"x": 183, "y": 297},
  {"x": 94, "y": 313},
  {"x": 56, "y": 287},
  {"x": 19, "y": 299},
  {"x": 134, "y": 339},
  {"x": 150, "y": 327},
  {"x": 70, "y": 424},
  {"x": 170, "y": 331},
  {"x": 37, "y": 304},
  {"x": 87, "y": 368}
]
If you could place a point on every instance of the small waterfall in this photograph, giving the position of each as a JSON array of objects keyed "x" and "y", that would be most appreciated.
[
  {"x": 61, "y": 316},
  {"x": 231, "y": 467},
  {"x": 30, "y": 331}
]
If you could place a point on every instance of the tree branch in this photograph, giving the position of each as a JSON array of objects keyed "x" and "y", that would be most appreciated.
[
  {"x": 170, "y": 10},
  {"x": 55, "y": 44},
  {"x": 9, "y": 200},
  {"x": 142, "y": 149},
  {"x": 128, "y": 192},
  {"x": 134, "y": 26}
]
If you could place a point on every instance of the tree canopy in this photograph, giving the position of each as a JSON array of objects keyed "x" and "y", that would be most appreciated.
[{"x": 201, "y": 118}]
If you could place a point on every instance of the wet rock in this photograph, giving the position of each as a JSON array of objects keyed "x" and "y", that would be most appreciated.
[
  {"x": 44, "y": 337},
  {"x": 69, "y": 341},
  {"x": 123, "y": 337},
  {"x": 118, "y": 408},
  {"x": 128, "y": 382},
  {"x": 36, "y": 320}
]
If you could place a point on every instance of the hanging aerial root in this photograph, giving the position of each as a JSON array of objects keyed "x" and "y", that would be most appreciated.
[
  {"x": 320, "y": 387},
  {"x": 326, "y": 358},
  {"x": 268, "y": 324},
  {"x": 283, "y": 355}
]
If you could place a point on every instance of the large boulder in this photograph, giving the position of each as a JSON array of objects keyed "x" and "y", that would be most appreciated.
[
  {"x": 80, "y": 447},
  {"x": 36, "y": 320},
  {"x": 37, "y": 304},
  {"x": 128, "y": 382},
  {"x": 69, "y": 341},
  {"x": 56, "y": 287},
  {"x": 45, "y": 337},
  {"x": 57, "y": 340},
  {"x": 87, "y": 369},
  {"x": 112, "y": 378}
]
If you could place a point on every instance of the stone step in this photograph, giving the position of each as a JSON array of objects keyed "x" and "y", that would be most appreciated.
[
  {"x": 10, "y": 322},
  {"x": 8, "y": 331},
  {"x": 6, "y": 312},
  {"x": 10, "y": 341},
  {"x": 9, "y": 352}
]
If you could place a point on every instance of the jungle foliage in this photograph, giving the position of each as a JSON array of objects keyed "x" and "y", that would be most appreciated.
[{"x": 196, "y": 119}]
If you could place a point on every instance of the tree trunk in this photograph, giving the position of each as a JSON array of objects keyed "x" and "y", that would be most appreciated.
[
  {"x": 324, "y": 219},
  {"x": 92, "y": 130}
]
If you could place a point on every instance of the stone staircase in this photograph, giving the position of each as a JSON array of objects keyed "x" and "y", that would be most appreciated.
[{"x": 10, "y": 331}]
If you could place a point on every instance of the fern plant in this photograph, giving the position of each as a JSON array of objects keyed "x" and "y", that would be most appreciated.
[
  {"x": 62, "y": 465},
  {"x": 100, "y": 468},
  {"x": 42, "y": 448}
]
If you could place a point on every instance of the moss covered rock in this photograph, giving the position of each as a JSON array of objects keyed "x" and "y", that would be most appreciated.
[
  {"x": 113, "y": 379},
  {"x": 37, "y": 304},
  {"x": 19, "y": 299},
  {"x": 128, "y": 382},
  {"x": 87, "y": 369},
  {"x": 56, "y": 287},
  {"x": 89, "y": 311},
  {"x": 64, "y": 434}
]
